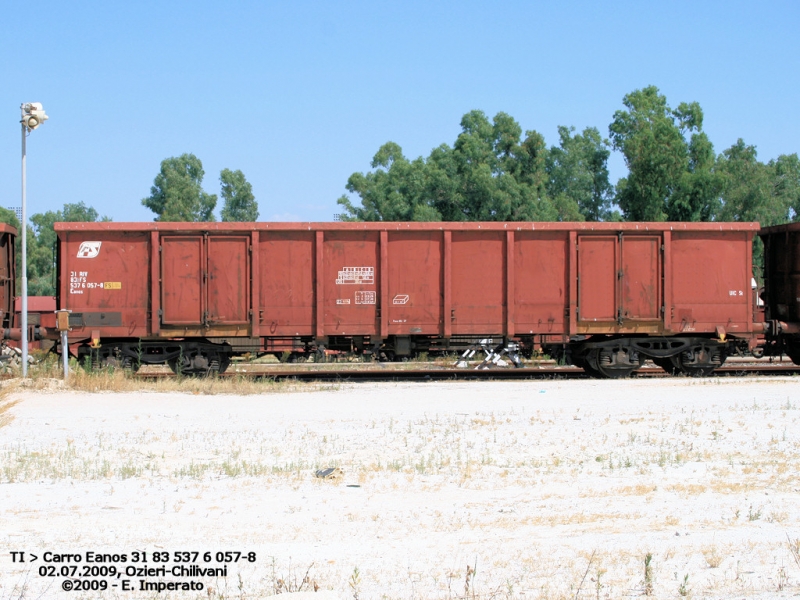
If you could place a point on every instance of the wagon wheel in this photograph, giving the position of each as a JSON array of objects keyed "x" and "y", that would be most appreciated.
[
  {"x": 173, "y": 365},
  {"x": 201, "y": 364},
  {"x": 697, "y": 371},
  {"x": 700, "y": 362},
  {"x": 792, "y": 350},
  {"x": 582, "y": 363},
  {"x": 126, "y": 363},
  {"x": 616, "y": 372},
  {"x": 224, "y": 362},
  {"x": 667, "y": 363},
  {"x": 603, "y": 361}
]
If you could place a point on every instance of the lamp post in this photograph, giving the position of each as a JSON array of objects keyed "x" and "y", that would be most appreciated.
[{"x": 33, "y": 116}]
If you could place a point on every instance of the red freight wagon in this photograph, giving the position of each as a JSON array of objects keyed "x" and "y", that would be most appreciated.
[
  {"x": 782, "y": 288},
  {"x": 7, "y": 276},
  {"x": 604, "y": 295}
]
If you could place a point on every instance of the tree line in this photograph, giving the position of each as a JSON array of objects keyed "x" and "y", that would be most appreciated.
[
  {"x": 176, "y": 195},
  {"x": 493, "y": 173}
]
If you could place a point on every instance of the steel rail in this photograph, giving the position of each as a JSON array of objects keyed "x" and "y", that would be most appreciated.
[{"x": 387, "y": 373}]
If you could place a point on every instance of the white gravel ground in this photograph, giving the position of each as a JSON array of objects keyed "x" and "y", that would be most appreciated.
[{"x": 548, "y": 489}]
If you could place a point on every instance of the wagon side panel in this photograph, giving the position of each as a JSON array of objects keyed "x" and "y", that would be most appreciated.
[
  {"x": 711, "y": 281},
  {"x": 350, "y": 284},
  {"x": 228, "y": 280},
  {"x": 286, "y": 283},
  {"x": 415, "y": 276},
  {"x": 541, "y": 283},
  {"x": 478, "y": 270},
  {"x": 598, "y": 265},
  {"x": 104, "y": 280},
  {"x": 182, "y": 275}
]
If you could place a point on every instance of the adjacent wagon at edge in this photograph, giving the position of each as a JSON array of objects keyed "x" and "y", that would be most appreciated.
[{"x": 782, "y": 289}]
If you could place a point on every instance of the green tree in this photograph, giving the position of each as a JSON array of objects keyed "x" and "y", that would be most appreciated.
[
  {"x": 9, "y": 218},
  {"x": 577, "y": 172},
  {"x": 237, "y": 195},
  {"x": 489, "y": 174},
  {"x": 786, "y": 183},
  {"x": 177, "y": 192},
  {"x": 669, "y": 175},
  {"x": 395, "y": 191},
  {"x": 697, "y": 194},
  {"x": 747, "y": 187},
  {"x": 42, "y": 244}
]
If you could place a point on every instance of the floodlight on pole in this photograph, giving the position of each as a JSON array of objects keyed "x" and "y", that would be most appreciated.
[{"x": 33, "y": 116}]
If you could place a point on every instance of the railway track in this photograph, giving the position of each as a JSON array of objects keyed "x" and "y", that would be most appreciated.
[{"x": 425, "y": 372}]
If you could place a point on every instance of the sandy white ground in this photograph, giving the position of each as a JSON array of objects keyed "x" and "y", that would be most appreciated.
[{"x": 535, "y": 484}]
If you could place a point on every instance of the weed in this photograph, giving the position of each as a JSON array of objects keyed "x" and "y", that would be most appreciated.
[
  {"x": 753, "y": 516},
  {"x": 782, "y": 579},
  {"x": 585, "y": 573},
  {"x": 355, "y": 583},
  {"x": 469, "y": 581},
  {"x": 289, "y": 584},
  {"x": 648, "y": 574},
  {"x": 598, "y": 585},
  {"x": 683, "y": 588}
]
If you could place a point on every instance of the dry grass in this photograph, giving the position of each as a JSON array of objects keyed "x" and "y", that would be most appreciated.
[
  {"x": 47, "y": 376},
  {"x": 713, "y": 556},
  {"x": 5, "y": 404}
]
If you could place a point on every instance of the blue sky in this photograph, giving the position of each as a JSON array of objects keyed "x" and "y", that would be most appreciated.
[{"x": 299, "y": 95}]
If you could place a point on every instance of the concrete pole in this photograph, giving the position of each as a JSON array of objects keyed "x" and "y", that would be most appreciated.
[
  {"x": 65, "y": 354},
  {"x": 24, "y": 293}
]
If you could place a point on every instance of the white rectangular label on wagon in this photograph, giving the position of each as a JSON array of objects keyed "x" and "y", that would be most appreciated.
[{"x": 356, "y": 276}]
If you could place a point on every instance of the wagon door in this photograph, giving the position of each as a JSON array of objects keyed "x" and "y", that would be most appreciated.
[
  {"x": 205, "y": 280},
  {"x": 619, "y": 280},
  {"x": 182, "y": 266},
  {"x": 228, "y": 283},
  {"x": 640, "y": 281},
  {"x": 597, "y": 278}
]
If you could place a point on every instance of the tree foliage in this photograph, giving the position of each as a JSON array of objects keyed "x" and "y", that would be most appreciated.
[
  {"x": 237, "y": 195},
  {"x": 177, "y": 192},
  {"x": 577, "y": 172},
  {"x": 491, "y": 173},
  {"x": 669, "y": 158},
  {"x": 41, "y": 244}
]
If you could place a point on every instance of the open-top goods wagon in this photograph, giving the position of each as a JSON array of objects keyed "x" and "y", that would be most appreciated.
[
  {"x": 604, "y": 296},
  {"x": 782, "y": 289},
  {"x": 7, "y": 277}
]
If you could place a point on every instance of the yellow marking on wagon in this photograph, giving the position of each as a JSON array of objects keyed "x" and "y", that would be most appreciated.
[{"x": 112, "y": 285}]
